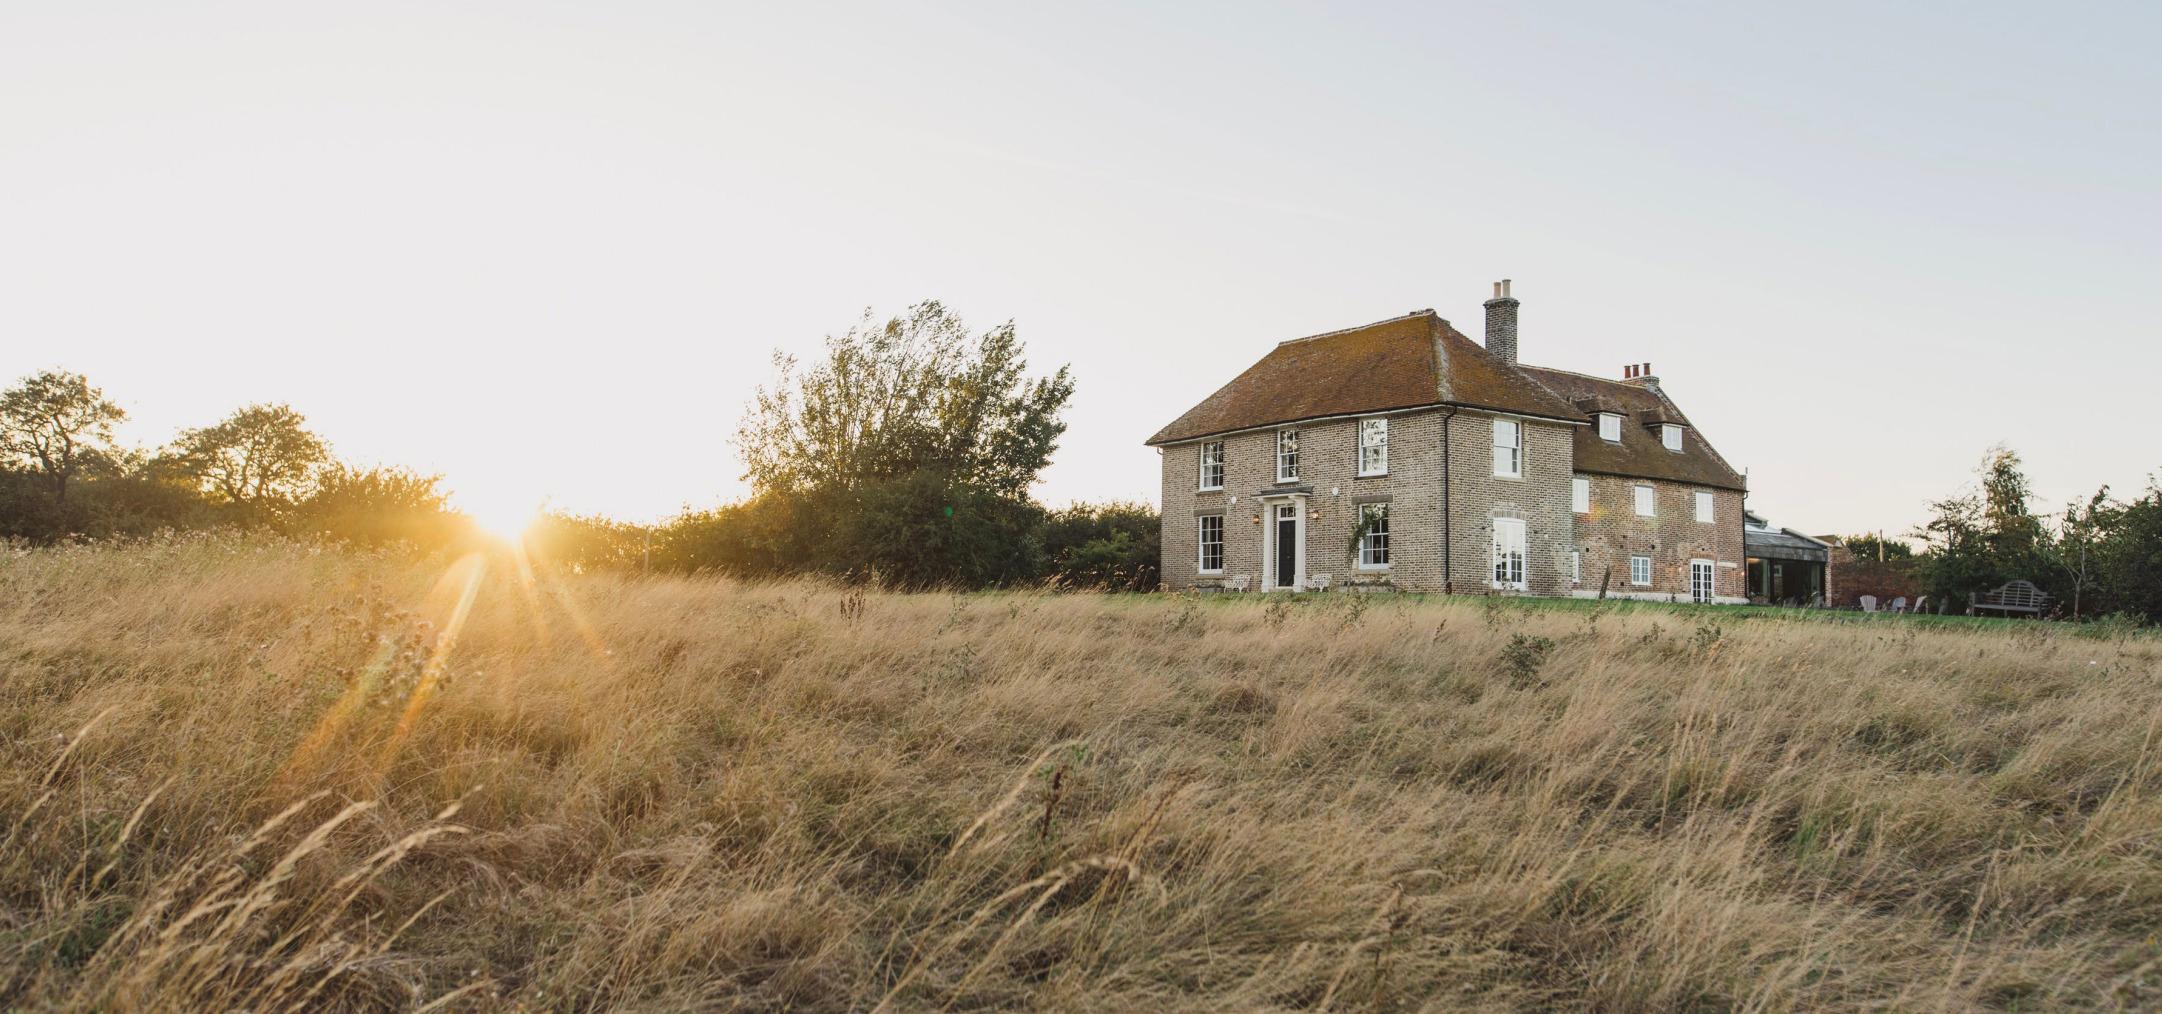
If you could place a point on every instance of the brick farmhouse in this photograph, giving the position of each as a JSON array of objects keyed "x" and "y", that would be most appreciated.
[{"x": 1404, "y": 455}]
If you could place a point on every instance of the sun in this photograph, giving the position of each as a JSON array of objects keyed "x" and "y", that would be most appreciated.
[{"x": 506, "y": 518}]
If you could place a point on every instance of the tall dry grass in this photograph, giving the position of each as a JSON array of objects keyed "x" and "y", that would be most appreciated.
[{"x": 255, "y": 775}]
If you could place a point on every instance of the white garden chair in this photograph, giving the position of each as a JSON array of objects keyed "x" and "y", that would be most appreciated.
[{"x": 1869, "y": 603}]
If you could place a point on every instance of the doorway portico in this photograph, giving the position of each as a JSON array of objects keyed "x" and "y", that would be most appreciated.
[{"x": 1283, "y": 541}]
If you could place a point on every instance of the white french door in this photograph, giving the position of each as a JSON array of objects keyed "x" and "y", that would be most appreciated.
[
  {"x": 1700, "y": 580},
  {"x": 1509, "y": 554}
]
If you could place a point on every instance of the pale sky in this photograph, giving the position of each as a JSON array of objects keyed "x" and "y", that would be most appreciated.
[{"x": 547, "y": 249}]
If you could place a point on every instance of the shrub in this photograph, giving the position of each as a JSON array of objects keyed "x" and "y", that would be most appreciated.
[
  {"x": 1113, "y": 546},
  {"x": 1524, "y": 656}
]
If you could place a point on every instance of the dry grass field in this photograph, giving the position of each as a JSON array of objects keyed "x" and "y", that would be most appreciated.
[{"x": 240, "y": 774}]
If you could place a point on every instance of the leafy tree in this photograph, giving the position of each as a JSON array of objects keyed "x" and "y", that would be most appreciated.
[
  {"x": 261, "y": 458},
  {"x": 905, "y": 454},
  {"x": 2075, "y": 551},
  {"x": 2127, "y": 554},
  {"x": 915, "y": 394},
  {"x": 57, "y": 424},
  {"x": 1869, "y": 546},
  {"x": 2014, "y": 533},
  {"x": 1986, "y": 536}
]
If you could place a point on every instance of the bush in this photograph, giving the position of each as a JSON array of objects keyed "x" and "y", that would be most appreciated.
[
  {"x": 921, "y": 531},
  {"x": 583, "y": 543},
  {"x": 377, "y": 507},
  {"x": 744, "y": 539},
  {"x": 1114, "y": 546}
]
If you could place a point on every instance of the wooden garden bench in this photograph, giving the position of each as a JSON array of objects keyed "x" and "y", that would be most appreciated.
[{"x": 2012, "y": 597}]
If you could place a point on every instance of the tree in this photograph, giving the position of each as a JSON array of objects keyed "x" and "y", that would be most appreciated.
[
  {"x": 56, "y": 423},
  {"x": 2015, "y": 534},
  {"x": 905, "y": 454},
  {"x": 915, "y": 394},
  {"x": 2074, "y": 549},
  {"x": 1871, "y": 547},
  {"x": 2128, "y": 554},
  {"x": 1985, "y": 537},
  {"x": 261, "y": 458}
]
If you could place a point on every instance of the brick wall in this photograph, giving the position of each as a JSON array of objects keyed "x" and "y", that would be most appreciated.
[
  {"x": 1613, "y": 532},
  {"x": 1540, "y": 498},
  {"x": 1332, "y": 493}
]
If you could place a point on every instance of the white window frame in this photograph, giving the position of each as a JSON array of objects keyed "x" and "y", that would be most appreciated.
[
  {"x": 1500, "y": 570},
  {"x": 1205, "y": 485},
  {"x": 1374, "y": 446},
  {"x": 1576, "y": 566},
  {"x": 1646, "y": 561},
  {"x": 1610, "y": 427},
  {"x": 1671, "y": 436},
  {"x": 1367, "y": 550},
  {"x": 1707, "y": 508},
  {"x": 1201, "y": 543},
  {"x": 1284, "y": 457},
  {"x": 1509, "y": 456},
  {"x": 1580, "y": 494},
  {"x": 1646, "y": 500}
]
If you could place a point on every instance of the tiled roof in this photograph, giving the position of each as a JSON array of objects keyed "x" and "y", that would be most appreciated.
[
  {"x": 1639, "y": 454},
  {"x": 1418, "y": 360},
  {"x": 1404, "y": 362}
]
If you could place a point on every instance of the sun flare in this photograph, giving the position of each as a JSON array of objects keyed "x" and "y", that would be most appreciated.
[{"x": 507, "y": 519}]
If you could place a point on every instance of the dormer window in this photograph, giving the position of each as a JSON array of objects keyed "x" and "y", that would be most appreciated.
[
  {"x": 1610, "y": 427},
  {"x": 1670, "y": 435}
]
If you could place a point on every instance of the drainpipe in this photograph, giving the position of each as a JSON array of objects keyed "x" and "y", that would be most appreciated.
[{"x": 1448, "y": 540}]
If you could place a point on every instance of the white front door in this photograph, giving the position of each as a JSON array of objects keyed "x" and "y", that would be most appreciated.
[
  {"x": 1509, "y": 554},
  {"x": 1700, "y": 580}
]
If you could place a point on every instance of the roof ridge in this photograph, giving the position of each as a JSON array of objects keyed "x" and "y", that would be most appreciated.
[
  {"x": 1586, "y": 376},
  {"x": 1361, "y": 327},
  {"x": 1530, "y": 373}
]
